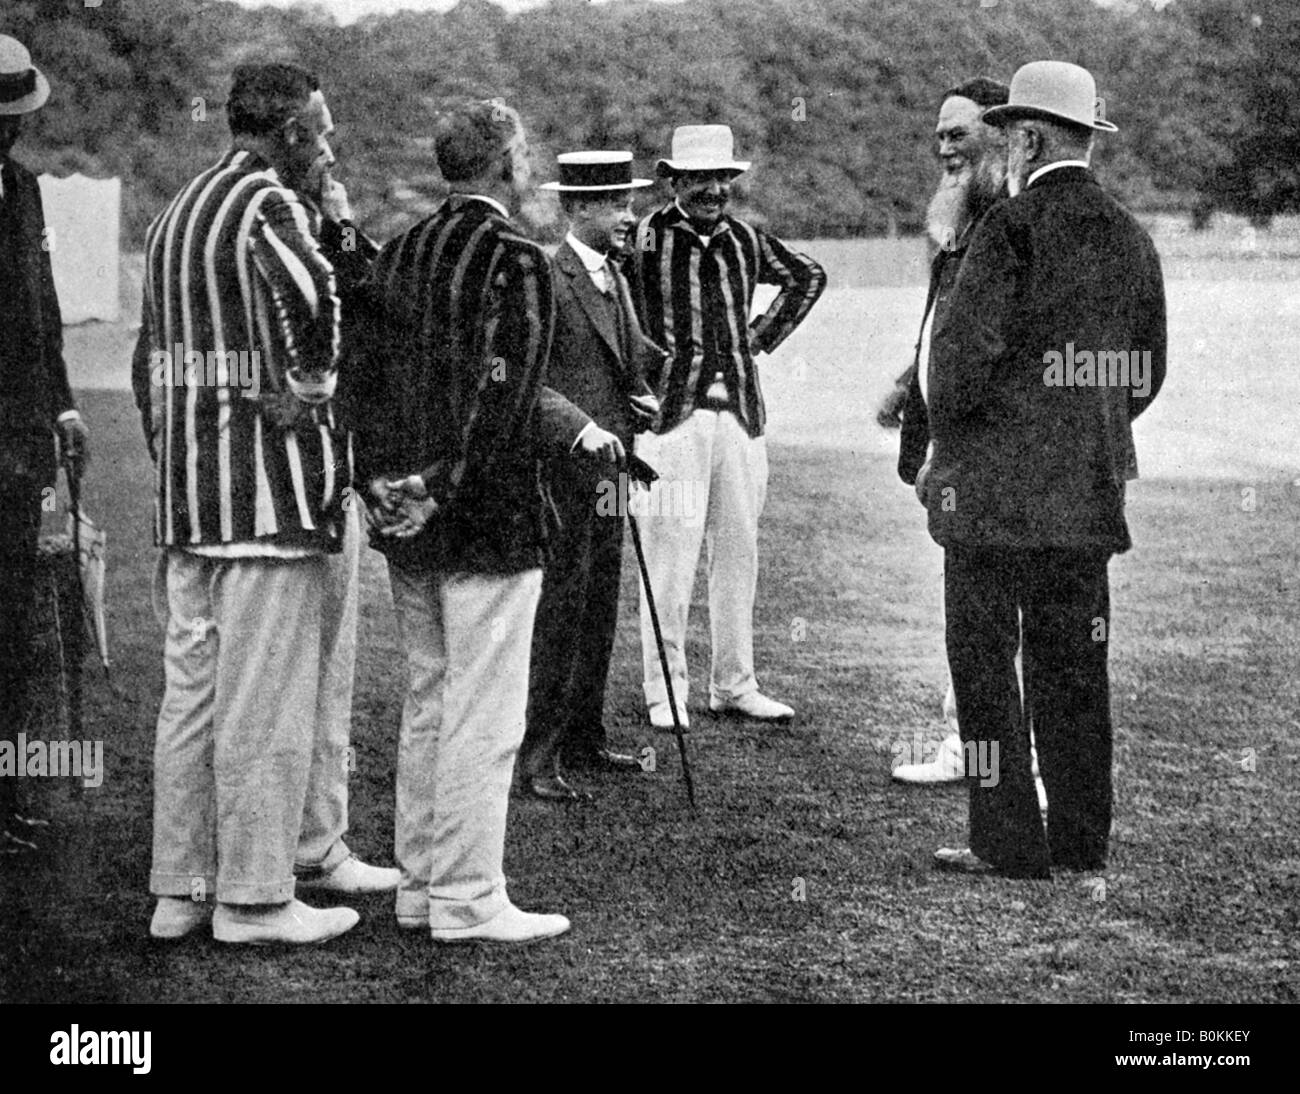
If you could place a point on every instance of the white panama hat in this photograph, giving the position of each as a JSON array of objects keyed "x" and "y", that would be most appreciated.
[
  {"x": 23, "y": 87},
  {"x": 702, "y": 148}
]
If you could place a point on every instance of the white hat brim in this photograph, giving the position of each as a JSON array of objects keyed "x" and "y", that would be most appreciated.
[
  {"x": 666, "y": 167},
  {"x": 29, "y": 103},
  {"x": 635, "y": 184}
]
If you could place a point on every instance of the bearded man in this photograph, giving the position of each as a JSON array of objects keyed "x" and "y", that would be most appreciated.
[{"x": 973, "y": 156}]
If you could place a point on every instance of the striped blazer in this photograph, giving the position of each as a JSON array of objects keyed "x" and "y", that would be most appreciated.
[
  {"x": 239, "y": 308},
  {"x": 448, "y": 380},
  {"x": 697, "y": 293}
]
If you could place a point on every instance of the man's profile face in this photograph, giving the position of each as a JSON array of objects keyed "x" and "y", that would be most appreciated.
[
  {"x": 605, "y": 224},
  {"x": 703, "y": 195},
  {"x": 961, "y": 139},
  {"x": 10, "y": 126},
  {"x": 308, "y": 154}
]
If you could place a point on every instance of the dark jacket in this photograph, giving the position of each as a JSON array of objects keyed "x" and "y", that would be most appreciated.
[
  {"x": 1022, "y": 461},
  {"x": 914, "y": 435},
  {"x": 34, "y": 387},
  {"x": 597, "y": 362},
  {"x": 450, "y": 383}
]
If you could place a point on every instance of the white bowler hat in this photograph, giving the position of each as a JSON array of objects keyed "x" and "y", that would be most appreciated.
[
  {"x": 702, "y": 148},
  {"x": 23, "y": 88},
  {"x": 1056, "y": 90},
  {"x": 595, "y": 172}
]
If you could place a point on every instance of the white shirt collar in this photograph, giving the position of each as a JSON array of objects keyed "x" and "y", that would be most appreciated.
[
  {"x": 491, "y": 201},
  {"x": 592, "y": 259},
  {"x": 1052, "y": 167}
]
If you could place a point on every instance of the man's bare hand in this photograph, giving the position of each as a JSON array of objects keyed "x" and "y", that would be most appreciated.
[
  {"x": 889, "y": 415},
  {"x": 645, "y": 408},
  {"x": 412, "y": 516},
  {"x": 412, "y": 486},
  {"x": 602, "y": 444}
]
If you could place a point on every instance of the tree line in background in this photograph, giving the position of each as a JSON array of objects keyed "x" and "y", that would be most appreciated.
[{"x": 834, "y": 99}]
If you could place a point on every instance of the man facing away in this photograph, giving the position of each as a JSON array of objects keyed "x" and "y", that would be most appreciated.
[
  {"x": 598, "y": 360},
  {"x": 1053, "y": 342},
  {"x": 696, "y": 268},
  {"x": 454, "y": 419},
  {"x": 234, "y": 375}
]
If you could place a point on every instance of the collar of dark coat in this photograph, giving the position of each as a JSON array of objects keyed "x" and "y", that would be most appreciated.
[{"x": 1063, "y": 175}]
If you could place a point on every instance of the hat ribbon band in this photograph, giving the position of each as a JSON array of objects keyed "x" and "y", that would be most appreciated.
[{"x": 17, "y": 85}]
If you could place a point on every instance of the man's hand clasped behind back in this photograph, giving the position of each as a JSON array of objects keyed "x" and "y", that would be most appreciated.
[{"x": 400, "y": 507}]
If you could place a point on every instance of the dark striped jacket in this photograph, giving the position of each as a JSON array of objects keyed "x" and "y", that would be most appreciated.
[
  {"x": 447, "y": 380},
  {"x": 697, "y": 294},
  {"x": 235, "y": 280}
]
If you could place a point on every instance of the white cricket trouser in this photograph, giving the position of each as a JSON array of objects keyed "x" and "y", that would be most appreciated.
[
  {"x": 235, "y": 730},
  {"x": 325, "y": 818},
  {"x": 467, "y": 640},
  {"x": 711, "y": 488}
]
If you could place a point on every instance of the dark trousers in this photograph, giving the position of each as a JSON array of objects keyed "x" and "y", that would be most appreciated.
[
  {"x": 1057, "y": 602},
  {"x": 20, "y": 502},
  {"x": 573, "y": 635}
]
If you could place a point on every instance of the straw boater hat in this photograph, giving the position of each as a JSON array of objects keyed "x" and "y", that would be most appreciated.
[
  {"x": 1055, "y": 90},
  {"x": 594, "y": 173},
  {"x": 22, "y": 86},
  {"x": 701, "y": 148}
]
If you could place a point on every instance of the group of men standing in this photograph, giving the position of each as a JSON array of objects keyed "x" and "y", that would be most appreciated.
[
  {"x": 482, "y": 397},
  {"x": 476, "y": 398}
]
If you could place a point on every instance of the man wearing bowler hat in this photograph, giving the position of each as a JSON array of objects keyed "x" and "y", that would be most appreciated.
[
  {"x": 598, "y": 360},
  {"x": 35, "y": 404},
  {"x": 696, "y": 267},
  {"x": 1025, "y": 487}
]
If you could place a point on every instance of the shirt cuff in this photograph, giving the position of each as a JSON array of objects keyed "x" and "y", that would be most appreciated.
[
  {"x": 68, "y": 415},
  {"x": 582, "y": 433}
]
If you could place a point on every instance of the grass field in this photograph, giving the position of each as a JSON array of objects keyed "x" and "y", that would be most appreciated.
[
  {"x": 1202, "y": 896},
  {"x": 1200, "y": 902}
]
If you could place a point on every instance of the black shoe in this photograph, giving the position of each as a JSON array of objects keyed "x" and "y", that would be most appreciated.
[
  {"x": 553, "y": 788},
  {"x": 601, "y": 759}
]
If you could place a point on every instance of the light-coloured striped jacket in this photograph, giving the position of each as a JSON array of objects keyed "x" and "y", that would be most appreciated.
[{"x": 241, "y": 317}]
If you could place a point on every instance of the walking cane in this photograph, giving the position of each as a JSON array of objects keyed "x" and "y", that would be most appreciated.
[{"x": 643, "y": 473}]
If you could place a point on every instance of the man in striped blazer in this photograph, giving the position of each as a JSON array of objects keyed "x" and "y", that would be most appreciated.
[
  {"x": 234, "y": 375},
  {"x": 453, "y": 421},
  {"x": 696, "y": 268}
]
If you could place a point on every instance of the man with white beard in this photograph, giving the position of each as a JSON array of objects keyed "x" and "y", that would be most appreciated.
[{"x": 973, "y": 156}]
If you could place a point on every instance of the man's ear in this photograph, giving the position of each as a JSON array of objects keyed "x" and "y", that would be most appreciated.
[{"x": 1033, "y": 142}]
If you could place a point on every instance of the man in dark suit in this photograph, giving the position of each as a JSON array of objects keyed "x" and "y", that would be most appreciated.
[
  {"x": 453, "y": 419},
  {"x": 598, "y": 360},
  {"x": 35, "y": 404},
  {"x": 1053, "y": 342}
]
